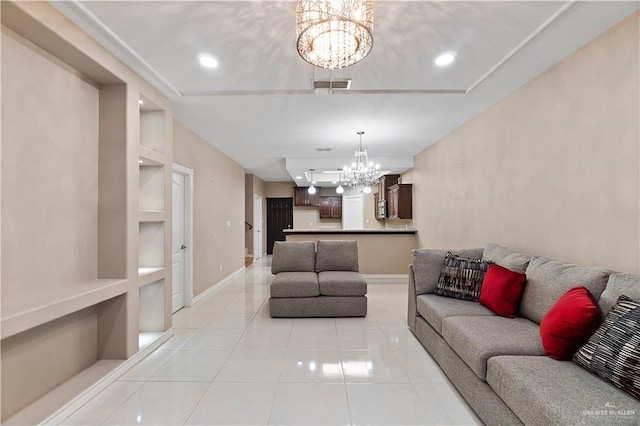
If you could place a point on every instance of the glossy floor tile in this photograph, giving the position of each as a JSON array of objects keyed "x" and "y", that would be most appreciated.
[
  {"x": 230, "y": 363},
  {"x": 310, "y": 404}
]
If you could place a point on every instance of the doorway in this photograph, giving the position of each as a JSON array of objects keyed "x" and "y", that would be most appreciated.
[
  {"x": 182, "y": 238},
  {"x": 279, "y": 217},
  {"x": 257, "y": 227},
  {"x": 352, "y": 212}
]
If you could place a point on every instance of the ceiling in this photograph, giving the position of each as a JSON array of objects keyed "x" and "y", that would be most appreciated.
[{"x": 258, "y": 105}]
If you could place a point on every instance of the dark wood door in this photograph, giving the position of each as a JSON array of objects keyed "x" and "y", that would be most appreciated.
[{"x": 279, "y": 217}]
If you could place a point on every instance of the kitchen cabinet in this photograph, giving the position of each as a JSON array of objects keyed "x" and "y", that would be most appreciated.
[
  {"x": 384, "y": 183},
  {"x": 330, "y": 207},
  {"x": 303, "y": 198},
  {"x": 399, "y": 201},
  {"x": 380, "y": 203}
]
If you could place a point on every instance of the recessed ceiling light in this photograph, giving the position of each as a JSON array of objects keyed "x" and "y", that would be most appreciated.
[
  {"x": 207, "y": 60},
  {"x": 140, "y": 162},
  {"x": 298, "y": 177},
  {"x": 445, "y": 58},
  {"x": 140, "y": 101}
]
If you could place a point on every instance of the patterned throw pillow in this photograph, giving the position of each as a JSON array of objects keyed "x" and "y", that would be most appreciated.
[
  {"x": 461, "y": 277},
  {"x": 613, "y": 352}
]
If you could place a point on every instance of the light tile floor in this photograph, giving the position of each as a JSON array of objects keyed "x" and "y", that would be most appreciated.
[{"x": 229, "y": 363}]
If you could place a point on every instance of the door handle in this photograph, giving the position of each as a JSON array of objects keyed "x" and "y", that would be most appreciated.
[{"x": 182, "y": 247}]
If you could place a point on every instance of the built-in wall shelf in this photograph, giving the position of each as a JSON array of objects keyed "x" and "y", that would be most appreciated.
[
  {"x": 41, "y": 409},
  {"x": 151, "y": 188},
  {"x": 150, "y": 157},
  {"x": 86, "y": 287},
  {"x": 145, "y": 338},
  {"x": 152, "y": 216},
  {"x": 151, "y": 241},
  {"x": 147, "y": 271},
  {"x": 30, "y": 312},
  {"x": 152, "y": 312},
  {"x": 152, "y": 126}
]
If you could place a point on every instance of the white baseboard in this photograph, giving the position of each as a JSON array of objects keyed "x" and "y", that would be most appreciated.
[
  {"x": 84, "y": 397},
  {"x": 217, "y": 286}
]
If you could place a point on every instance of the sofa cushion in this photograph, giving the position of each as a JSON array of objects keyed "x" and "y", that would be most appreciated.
[
  {"x": 461, "y": 277},
  {"x": 337, "y": 255},
  {"x": 295, "y": 284},
  {"x": 427, "y": 264},
  {"x": 542, "y": 391},
  {"x": 569, "y": 323},
  {"x": 548, "y": 279},
  {"x": 613, "y": 352},
  {"x": 502, "y": 290},
  {"x": 293, "y": 256},
  {"x": 507, "y": 257},
  {"x": 476, "y": 339},
  {"x": 342, "y": 283},
  {"x": 434, "y": 309},
  {"x": 618, "y": 284}
]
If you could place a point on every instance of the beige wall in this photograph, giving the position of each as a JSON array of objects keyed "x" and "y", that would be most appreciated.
[
  {"x": 50, "y": 179},
  {"x": 552, "y": 169},
  {"x": 50, "y": 353},
  {"x": 219, "y": 211},
  {"x": 53, "y": 235},
  {"x": 50, "y": 215}
]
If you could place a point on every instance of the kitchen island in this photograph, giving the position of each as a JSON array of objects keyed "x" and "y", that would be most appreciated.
[{"x": 380, "y": 251}]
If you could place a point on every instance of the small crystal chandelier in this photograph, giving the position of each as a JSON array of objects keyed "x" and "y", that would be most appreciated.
[
  {"x": 362, "y": 172},
  {"x": 334, "y": 34}
]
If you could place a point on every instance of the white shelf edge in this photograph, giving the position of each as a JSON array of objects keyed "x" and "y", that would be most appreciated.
[
  {"x": 153, "y": 157},
  {"x": 27, "y": 313},
  {"x": 144, "y": 271},
  {"x": 152, "y": 216}
]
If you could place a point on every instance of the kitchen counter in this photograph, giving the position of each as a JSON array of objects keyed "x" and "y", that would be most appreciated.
[{"x": 380, "y": 251}]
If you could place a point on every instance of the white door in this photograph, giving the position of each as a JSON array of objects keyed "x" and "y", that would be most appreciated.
[
  {"x": 178, "y": 242},
  {"x": 257, "y": 226},
  {"x": 352, "y": 211}
]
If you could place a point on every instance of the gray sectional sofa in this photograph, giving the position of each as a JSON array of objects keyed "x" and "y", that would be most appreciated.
[
  {"x": 498, "y": 364},
  {"x": 325, "y": 283}
]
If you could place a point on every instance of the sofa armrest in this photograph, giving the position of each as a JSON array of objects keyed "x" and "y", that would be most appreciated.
[{"x": 412, "y": 312}]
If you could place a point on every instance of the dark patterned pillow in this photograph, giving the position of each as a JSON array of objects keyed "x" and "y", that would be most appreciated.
[
  {"x": 613, "y": 351},
  {"x": 461, "y": 277}
]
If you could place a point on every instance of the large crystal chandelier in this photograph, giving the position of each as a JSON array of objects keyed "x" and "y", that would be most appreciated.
[
  {"x": 334, "y": 34},
  {"x": 362, "y": 173}
]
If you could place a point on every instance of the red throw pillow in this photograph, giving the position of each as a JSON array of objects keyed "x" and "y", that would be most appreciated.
[
  {"x": 569, "y": 323},
  {"x": 501, "y": 290}
]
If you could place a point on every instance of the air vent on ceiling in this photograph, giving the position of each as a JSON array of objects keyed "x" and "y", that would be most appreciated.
[{"x": 332, "y": 84}]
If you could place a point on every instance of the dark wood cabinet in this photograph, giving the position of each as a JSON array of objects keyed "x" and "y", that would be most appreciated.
[
  {"x": 384, "y": 183},
  {"x": 399, "y": 201},
  {"x": 330, "y": 207},
  {"x": 303, "y": 198},
  {"x": 381, "y": 202}
]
